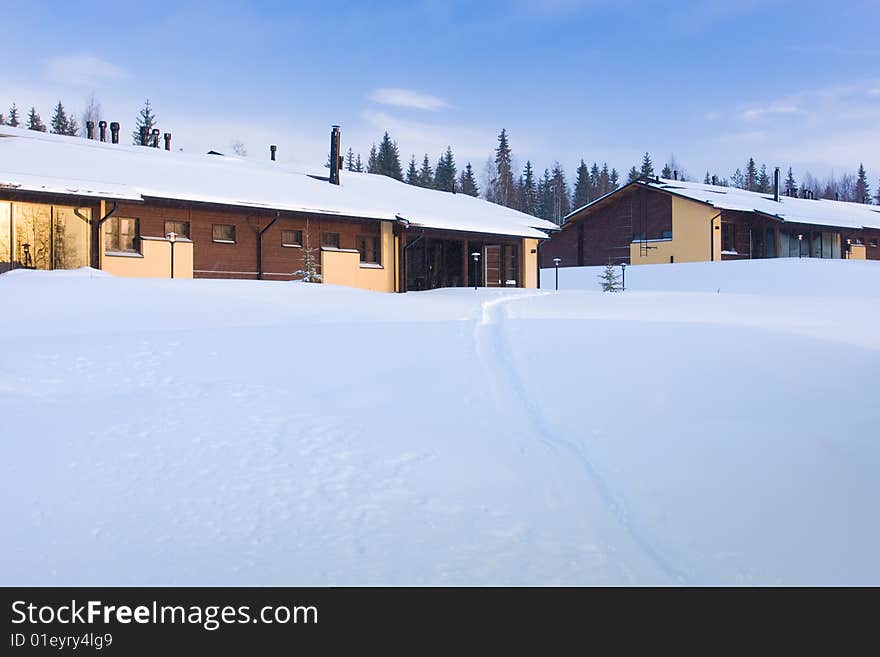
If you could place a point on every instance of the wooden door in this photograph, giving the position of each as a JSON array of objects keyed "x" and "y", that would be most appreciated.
[{"x": 492, "y": 269}]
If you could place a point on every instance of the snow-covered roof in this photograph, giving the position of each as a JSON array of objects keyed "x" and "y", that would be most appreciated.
[
  {"x": 40, "y": 162},
  {"x": 820, "y": 212}
]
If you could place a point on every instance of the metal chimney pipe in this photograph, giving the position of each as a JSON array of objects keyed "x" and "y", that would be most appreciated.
[
  {"x": 272, "y": 150},
  {"x": 776, "y": 184},
  {"x": 714, "y": 180},
  {"x": 155, "y": 134},
  {"x": 675, "y": 174},
  {"x": 114, "y": 132},
  {"x": 90, "y": 129},
  {"x": 167, "y": 137},
  {"x": 335, "y": 139},
  {"x": 102, "y": 125}
]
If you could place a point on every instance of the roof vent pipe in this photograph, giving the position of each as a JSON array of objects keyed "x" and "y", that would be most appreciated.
[
  {"x": 776, "y": 184},
  {"x": 335, "y": 157},
  {"x": 90, "y": 129},
  {"x": 102, "y": 126},
  {"x": 714, "y": 180},
  {"x": 167, "y": 137},
  {"x": 675, "y": 174},
  {"x": 114, "y": 132},
  {"x": 272, "y": 150},
  {"x": 155, "y": 134}
]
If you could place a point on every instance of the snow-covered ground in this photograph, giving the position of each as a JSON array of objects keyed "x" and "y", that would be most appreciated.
[{"x": 236, "y": 432}]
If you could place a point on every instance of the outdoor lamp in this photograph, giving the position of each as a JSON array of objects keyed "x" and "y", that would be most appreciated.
[
  {"x": 476, "y": 256},
  {"x": 172, "y": 237},
  {"x": 556, "y": 262}
]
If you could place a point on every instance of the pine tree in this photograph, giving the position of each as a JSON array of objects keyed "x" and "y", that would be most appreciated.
[
  {"x": 666, "y": 172},
  {"x": 545, "y": 197},
  {"x": 581, "y": 195},
  {"x": 595, "y": 175},
  {"x": 790, "y": 184},
  {"x": 502, "y": 182},
  {"x": 2, "y": 119},
  {"x": 877, "y": 197},
  {"x": 609, "y": 279},
  {"x": 633, "y": 175},
  {"x": 34, "y": 122},
  {"x": 388, "y": 158},
  {"x": 349, "y": 160},
  {"x": 59, "y": 124},
  {"x": 604, "y": 180},
  {"x": 426, "y": 173},
  {"x": 444, "y": 177},
  {"x": 412, "y": 174},
  {"x": 561, "y": 198},
  {"x": 764, "y": 185},
  {"x": 613, "y": 180},
  {"x": 707, "y": 180},
  {"x": 358, "y": 165},
  {"x": 145, "y": 119},
  {"x": 863, "y": 190},
  {"x": 373, "y": 160},
  {"x": 468, "y": 183},
  {"x": 647, "y": 166},
  {"x": 13, "y": 116},
  {"x": 751, "y": 176},
  {"x": 528, "y": 190}
]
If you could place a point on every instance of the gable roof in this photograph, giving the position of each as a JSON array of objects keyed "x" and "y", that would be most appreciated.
[
  {"x": 820, "y": 212},
  {"x": 40, "y": 162}
]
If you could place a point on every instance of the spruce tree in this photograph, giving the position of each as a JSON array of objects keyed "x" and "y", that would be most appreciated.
[
  {"x": 764, "y": 185},
  {"x": 613, "y": 180},
  {"x": 2, "y": 119},
  {"x": 790, "y": 184},
  {"x": 633, "y": 175},
  {"x": 349, "y": 160},
  {"x": 545, "y": 197},
  {"x": 13, "y": 116},
  {"x": 595, "y": 175},
  {"x": 444, "y": 177},
  {"x": 59, "y": 124},
  {"x": 604, "y": 180},
  {"x": 468, "y": 183},
  {"x": 502, "y": 182},
  {"x": 412, "y": 174},
  {"x": 561, "y": 199},
  {"x": 877, "y": 197},
  {"x": 609, "y": 279},
  {"x": 426, "y": 173},
  {"x": 358, "y": 165},
  {"x": 707, "y": 180},
  {"x": 666, "y": 172},
  {"x": 647, "y": 166},
  {"x": 751, "y": 176},
  {"x": 145, "y": 119},
  {"x": 373, "y": 160},
  {"x": 581, "y": 195},
  {"x": 34, "y": 122},
  {"x": 528, "y": 190},
  {"x": 388, "y": 158},
  {"x": 863, "y": 190}
]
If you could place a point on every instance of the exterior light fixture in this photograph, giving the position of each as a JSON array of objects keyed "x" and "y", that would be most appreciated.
[
  {"x": 476, "y": 256},
  {"x": 172, "y": 237},
  {"x": 623, "y": 276},
  {"x": 556, "y": 262},
  {"x": 800, "y": 245}
]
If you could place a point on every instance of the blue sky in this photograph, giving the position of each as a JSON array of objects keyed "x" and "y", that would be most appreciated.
[{"x": 792, "y": 83}]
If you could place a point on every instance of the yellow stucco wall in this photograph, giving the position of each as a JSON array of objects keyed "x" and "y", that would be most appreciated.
[
  {"x": 154, "y": 260},
  {"x": 343, "y": 266},
  {"x": 530, "y": 263},
  {"x": 857, "y": 252},
  {"x": 692, "y": 227}
]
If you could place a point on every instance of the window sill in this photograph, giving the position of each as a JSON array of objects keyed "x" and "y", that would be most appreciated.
[
  {"x": 371, "y": 265},
  {"x": 656, "y": 239},
  {"x": 335, "y": 248},
  {"x": 123, "y": 254},
  {"x": 292, "y": 246},
  {"x": 223, "y": 241}
]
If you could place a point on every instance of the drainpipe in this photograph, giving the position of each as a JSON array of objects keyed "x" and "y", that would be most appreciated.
[
  {"x": 260, "y": 247},
  {"x": 712, "y": 237},
  {"x": 96, "y": 236}
]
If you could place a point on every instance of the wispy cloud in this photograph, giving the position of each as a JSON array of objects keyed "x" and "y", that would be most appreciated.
[
  {"x": 755, "y": 113},
  {"x": 82, "y": 70},
  {"x": 408, "y": 98}
]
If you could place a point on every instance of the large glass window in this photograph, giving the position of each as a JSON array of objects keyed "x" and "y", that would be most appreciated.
[
  {"x": 121, "y": 235},
  {"x": 70, "y": 237},
  {"x": 728, "y": 237},
  {"x": 32, "y": 227}
]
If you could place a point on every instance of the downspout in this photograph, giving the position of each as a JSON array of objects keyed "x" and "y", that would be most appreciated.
[
  {"x": 712, "y": 236},
  {"x": 260, "y": 247},
  {"x": 96, "y": 235}
]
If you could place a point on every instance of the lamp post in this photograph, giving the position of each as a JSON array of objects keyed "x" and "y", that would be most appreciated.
[
  {"x": 172, "y": 237},
  {"x": 623, "y": 275},
  {"x": 476, "y": 256},
  {"x": 556, "y": 262},
  {"x": 800, "y": 245}
]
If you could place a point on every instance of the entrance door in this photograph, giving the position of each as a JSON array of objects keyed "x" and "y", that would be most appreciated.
[{"x": 492, "y": 268}]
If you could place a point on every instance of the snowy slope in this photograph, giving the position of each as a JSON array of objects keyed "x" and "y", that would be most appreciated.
[{"x": 240, "y": 432}]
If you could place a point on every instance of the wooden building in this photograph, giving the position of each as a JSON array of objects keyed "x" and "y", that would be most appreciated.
[
  {"x": 653, "y": 221},
  {"x": 68, "y": 202}
]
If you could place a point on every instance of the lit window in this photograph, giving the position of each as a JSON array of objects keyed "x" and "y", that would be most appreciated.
[
  {"x": 291, "y": 238},
  {"x": 223, "y": 233},
  {"x": 121, "y": 235}
]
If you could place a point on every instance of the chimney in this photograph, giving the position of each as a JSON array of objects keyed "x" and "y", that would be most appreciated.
[
  {"x": 143, "y": 135},
  {"x": 102, "y": 126},
  {"x": 776, "y": 184},
  {"x": 167, "y": 137},
  {"x": 675, "y": 174},
  {"x": 836, "y": 196},
  {"x": 335, "y": 164},
  {"x": 90, "y": 129},
  {"x": 114, "y": 132},
  {"x": 714, "y": 180},
  {"x": 155, "y": 134},
  {"x": 272, "y": 150}
]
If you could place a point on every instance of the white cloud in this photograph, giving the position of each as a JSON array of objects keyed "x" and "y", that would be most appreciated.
[
  {"x": 82, "y": 70},
  {"x": 408, "y": 98},
  {"x": 755, "y": 113}
]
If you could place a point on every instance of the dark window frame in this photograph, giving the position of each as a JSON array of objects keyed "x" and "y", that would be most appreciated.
[
  {"x": 185, "y": 224},
  {"x": 217, "y": 240},
  {"x": 874, "y": 243},
  {"x": 337, "y": 239},
  {"x": 297, "y": 242},
  {"x": 113, "y": 231},
  {"x": 728, "y": 237},
  {"x": 363, "y": 243}
]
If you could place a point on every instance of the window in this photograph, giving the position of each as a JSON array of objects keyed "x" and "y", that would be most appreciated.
[
  {"x": 223, "y": 233},
  {"x": 368, "y": 245},
  {"x": 330, "y": 239},
  {"x": 728, "y": 237},
  {"x": 666, "y": 235},
  {"x": 291, "y": 238},
  {"x": 874, "y": 242},
  {"x": 638, "y": 236},
  {"x": 179, "y": 228},
  {"x": 121, "y": 235}
]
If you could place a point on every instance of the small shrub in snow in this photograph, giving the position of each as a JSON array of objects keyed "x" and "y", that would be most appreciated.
[
  {"x": 309, "y": 272},
  {"x": 610, "y": 279}
]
